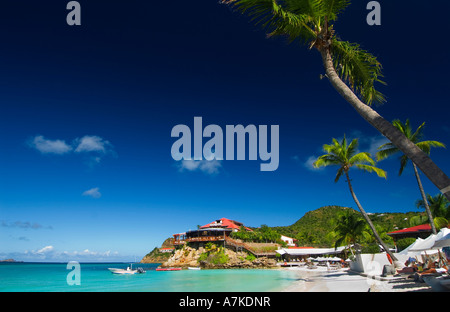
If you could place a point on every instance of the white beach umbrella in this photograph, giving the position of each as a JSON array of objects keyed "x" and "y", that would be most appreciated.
[
  {"x": 430, "y": 241},
  {"x": 424, "y": 244},
  {"x": 444, "y": 241},
  {"x": 406, "y": 251}
]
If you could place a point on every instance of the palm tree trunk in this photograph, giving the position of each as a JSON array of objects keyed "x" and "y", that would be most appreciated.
[
  {"x": 366, "y": 217},
  {"x": 425, "y": 201},
  {"x": 417, "y": 156}
]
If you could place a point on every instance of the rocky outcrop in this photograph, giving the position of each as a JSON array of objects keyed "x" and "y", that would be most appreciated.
[
  {"x": 185, "y": 257},
  {"x": 191, "y": 257}
]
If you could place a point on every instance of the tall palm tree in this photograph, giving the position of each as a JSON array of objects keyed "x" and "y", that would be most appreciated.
[
  {"x": 439, "y": 206},
  {"x": 352, "y": 71},
  {"x": 344, "y": 156},
  {"x": 389, "y": 149}
]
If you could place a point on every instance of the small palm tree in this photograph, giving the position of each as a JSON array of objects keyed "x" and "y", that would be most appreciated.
[
  {"x": 344, "y": 156},
  {"x": 352, "y": 71},
  {"x": 348, "y": 229},
  {"x": 389, "y": 149},
  {"x": 439, "y": 205}
]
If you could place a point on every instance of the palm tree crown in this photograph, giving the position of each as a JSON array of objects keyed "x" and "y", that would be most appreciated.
[
  {"x": 389, "y": 149},
  {"x": 311, "y": 22},
  {"x": 349, "y": 228},
  {"x": 439, "y": 205},
  {"x": 344, "y": 155}
]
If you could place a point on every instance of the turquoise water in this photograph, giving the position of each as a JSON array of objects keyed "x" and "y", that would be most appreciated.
[{"x": 95, "y": 277}]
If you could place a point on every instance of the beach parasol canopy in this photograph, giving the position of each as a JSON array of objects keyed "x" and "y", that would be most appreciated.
[
  {"x": 407, "y": 250},
  {"x": 429, "y": 242},
  {"x": 444, "y": 241}
]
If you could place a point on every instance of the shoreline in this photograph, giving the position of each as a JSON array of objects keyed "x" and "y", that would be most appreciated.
[{"x": 345, "y": 280}]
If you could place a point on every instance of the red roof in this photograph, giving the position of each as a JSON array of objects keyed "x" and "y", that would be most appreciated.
[
  {"x": 414, "y": 229},
  {"x": 225, "y": 223}
]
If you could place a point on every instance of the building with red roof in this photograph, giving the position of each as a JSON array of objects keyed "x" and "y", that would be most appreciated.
[
  {"x": 225, "y": 224},
  {"x": 422, "y": 231},
  {"x": 215, "y": 231}
]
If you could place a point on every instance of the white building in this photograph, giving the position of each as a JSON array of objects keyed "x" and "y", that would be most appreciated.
[{"x": 288, "y": 240}]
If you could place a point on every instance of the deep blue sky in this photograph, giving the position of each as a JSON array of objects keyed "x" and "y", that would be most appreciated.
[{"x": 86, "y": 114}]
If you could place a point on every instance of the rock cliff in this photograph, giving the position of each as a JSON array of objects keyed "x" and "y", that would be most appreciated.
[{"x": 222, "y": 259}]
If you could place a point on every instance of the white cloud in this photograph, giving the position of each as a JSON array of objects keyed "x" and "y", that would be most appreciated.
[
  {"x": 49, "y": 253},
  {"x": 375, "y": 143},
  {"x": 92, "y": 143},
  {"x": 46, "y": 146},
  {"x": 44, "y": 250},
  {"x": 93, "y": 192},
  {"x": 92, "y": 146},
  {"x": 24, "y": 225},
  {"x": 206, "y": 166},
  {"x": 308, "y": 164},
  {"x": 368, "y": 144}
]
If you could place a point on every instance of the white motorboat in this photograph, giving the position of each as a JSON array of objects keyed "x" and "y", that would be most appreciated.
[
  {"x": 128, "y": 270},
  {"x": 194, "y": 268}
]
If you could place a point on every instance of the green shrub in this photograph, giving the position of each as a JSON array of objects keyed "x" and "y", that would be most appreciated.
[
  {"x": 203, "y": 256},
  {"x": 250, "y": 257},
  {"x": 218, "y": 258},
  {"x": 404, "y": 242}
]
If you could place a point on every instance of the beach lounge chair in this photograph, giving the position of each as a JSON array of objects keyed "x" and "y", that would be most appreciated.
[
  {"x": 331, "y": 268},
  {"x": 406, "y": 270},
  {"x": 311, "y": 266}
]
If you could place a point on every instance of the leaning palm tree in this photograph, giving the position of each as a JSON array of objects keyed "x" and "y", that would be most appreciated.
[
  {"x": 352, "y": 71},
  {"x": 345, "y": 157},
  {"x": 389, "y": 149}
]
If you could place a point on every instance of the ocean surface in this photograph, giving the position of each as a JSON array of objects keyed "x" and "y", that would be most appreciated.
[{"x": 95, "y": 277}]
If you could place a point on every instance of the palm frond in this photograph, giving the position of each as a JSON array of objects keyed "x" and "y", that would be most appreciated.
[
  {"x": 389, "y": 150},
  {"x": 403, "y": 162},
  {"x": 404, "y": 128},
  {"x": 352, "y": 148},
  {"x": 359, "y": 69},
  {"x": 416, "y": 136},
  {"x": 426, "y": 146},
  {"x": 339, "y": 174},
  {"x": 361, "y": 158},
  {"x": 276, "y": 18},
  {"x": 310, "y": 8},
  {"x": 332, "y": 8},
  {"x": 380, "y": 172},
  {"x": 326, "y": 160}
]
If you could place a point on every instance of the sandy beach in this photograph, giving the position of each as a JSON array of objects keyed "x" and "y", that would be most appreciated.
[{"x": 344, "y": 280}]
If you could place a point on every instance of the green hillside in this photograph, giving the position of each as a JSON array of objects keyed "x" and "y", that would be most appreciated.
[{"x": 313, "y": 228}]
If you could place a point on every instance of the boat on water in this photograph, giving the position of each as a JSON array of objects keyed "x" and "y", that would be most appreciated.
[
  {"x": 168, "y": 269},
  {"x": 194, "y": 268},
  {"x": 128, "y": 270}
]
